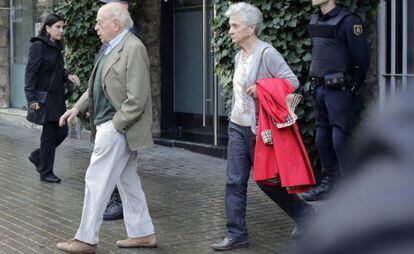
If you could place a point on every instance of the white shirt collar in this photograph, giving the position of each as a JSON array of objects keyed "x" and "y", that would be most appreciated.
[{"x": 115, "y": 41}]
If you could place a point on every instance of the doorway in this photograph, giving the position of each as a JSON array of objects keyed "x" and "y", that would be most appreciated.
[
  {"x": 26, "y": 17},
  {"x": 193, "y": 108}
]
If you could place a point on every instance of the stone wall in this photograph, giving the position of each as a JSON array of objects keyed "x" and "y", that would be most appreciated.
[
  {"x": 4, "y": 54},
  {"x": 148, "y": 20}
]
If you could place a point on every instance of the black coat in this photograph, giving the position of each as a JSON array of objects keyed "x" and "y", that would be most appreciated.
[{"x": 44, "y": 64}]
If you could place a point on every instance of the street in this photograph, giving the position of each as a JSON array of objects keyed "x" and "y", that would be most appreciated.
[{"x": 185, "y": 193}]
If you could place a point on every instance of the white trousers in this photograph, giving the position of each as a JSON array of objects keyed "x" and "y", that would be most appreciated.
[{"x": 112, "y": 163}]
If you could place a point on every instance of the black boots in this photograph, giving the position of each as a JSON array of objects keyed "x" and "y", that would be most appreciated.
[
  {"x": 320, "y": 192},
  {"x": 114, "y": 209}
]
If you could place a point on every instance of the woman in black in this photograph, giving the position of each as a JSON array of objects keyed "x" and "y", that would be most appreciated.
[{"x": 45, "y": 75}]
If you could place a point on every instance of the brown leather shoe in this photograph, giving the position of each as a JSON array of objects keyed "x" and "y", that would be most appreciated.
[
  {"x": 149, "y": 241},
  {"x": 76, "y": 246}
]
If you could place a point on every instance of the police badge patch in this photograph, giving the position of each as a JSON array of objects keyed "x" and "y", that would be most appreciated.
[{"x": 358, "y": 29}]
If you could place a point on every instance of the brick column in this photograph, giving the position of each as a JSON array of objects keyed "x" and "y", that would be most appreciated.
[{"x": 4, "y": 54}]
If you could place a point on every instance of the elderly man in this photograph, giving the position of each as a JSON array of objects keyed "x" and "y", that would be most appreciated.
[
  {"x": 119, "y": 103},
  {"x": 127, "y": 4},
  {"x": 114, "y": 209}
]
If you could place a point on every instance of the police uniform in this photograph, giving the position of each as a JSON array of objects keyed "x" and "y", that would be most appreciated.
[{"x": 340, "y": 60}]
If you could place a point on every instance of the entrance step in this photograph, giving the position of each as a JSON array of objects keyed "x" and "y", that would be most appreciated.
[{"x": 211, "y": 150}]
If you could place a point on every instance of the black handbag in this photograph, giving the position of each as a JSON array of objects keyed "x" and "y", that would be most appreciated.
[{"x": 38, "y": 116}]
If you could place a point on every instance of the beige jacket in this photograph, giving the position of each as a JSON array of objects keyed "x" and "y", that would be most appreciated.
[{"x": 126, "y": 84}]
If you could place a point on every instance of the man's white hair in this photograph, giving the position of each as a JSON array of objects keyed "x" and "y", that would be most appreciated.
[
  {"x": 251, "y": 14},
  {"x": 117, "y": 11}
]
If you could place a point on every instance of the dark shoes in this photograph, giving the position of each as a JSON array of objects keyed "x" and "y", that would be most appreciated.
[
  {"x": 322, "y": 191},
  {"x": 228, "y": 244},
  {"x": 114, "y": 210},
  {"x": 34, "y": 158},
  {"x": 50, "y": 178}
]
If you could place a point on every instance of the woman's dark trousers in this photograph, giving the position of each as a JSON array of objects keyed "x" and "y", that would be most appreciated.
[
  {"x": 44, "y": 157},
  {"x": 240, "y": 154}
]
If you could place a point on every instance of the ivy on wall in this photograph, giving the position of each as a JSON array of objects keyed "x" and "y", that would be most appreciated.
[
  {"x": 284, "y": 26},
  {"x": 82, "y": 42}
]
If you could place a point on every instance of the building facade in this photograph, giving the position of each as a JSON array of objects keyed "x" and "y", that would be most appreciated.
[
  {"x": 188, "y": 106},
  {"x": 395, "y": 48}
]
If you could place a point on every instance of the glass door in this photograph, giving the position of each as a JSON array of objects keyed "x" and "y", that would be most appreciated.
[
  {"x": 22, "y": 16},
  {"x": 197, "y": 104},
  {"x": 26, "y": 20}
]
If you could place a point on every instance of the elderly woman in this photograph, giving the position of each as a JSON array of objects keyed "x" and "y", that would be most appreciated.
[{"x": 255, "y": 60}]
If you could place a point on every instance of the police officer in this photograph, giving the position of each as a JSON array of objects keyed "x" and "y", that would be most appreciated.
[{"x": 340, "y": 60}]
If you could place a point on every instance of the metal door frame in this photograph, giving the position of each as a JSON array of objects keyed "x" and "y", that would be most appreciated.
[
  {"x": 11, "y": 45},
  {"x": 205, "y": 73}
]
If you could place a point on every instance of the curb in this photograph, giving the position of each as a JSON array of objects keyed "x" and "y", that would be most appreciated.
[{"x": 17, "y": 116}]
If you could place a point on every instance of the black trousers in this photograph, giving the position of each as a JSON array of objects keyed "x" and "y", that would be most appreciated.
[
  {"x": 52, "y": 136},
  {"x": 334, "y": 116},
  {"x": 291, "y": 204}
]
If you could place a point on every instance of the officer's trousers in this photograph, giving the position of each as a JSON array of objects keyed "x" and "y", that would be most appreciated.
[{"x": 334, "y": 115}]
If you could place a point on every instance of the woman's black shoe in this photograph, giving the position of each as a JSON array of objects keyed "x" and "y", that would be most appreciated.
[{"x": 50, "y": 179}]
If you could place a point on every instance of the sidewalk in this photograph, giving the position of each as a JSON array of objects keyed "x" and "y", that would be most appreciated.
[{"x": 185, "y": 193}]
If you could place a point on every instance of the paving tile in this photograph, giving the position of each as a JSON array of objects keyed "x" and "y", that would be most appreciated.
[{"x": 185, "y": 193}]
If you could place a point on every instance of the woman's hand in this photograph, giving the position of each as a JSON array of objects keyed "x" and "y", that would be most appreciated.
[
  {"x": 34, "y": 106},
  {"x": 67, "y": 116},
  {"x": 252, "y": 91},
  {"x": 74, "y": 79}
]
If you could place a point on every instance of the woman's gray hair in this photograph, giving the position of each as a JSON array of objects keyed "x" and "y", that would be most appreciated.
[
  {"x": 117, "y": 11},
  {"x": 251, "y": 14}
]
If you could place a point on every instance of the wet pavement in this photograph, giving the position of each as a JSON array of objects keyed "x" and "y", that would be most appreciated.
[{"x": 185, "y": 193}]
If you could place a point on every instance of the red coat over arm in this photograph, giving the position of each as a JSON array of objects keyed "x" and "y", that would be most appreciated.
[{"x": 285, "y": 156}]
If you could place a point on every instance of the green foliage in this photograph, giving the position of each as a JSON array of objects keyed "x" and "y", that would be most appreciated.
[
  {"x": 284, "y": 26},
  {"x": 82, "y": 42}
]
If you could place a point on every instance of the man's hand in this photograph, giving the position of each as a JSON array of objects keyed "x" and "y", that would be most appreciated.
[
  {"x": 74, "y": 79},
  {"x": 68, "y": 115},
  {"x": 252, "y": 91}
]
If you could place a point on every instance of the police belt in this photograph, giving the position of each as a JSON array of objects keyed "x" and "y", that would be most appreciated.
[{"x": 333, "y": 81}]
